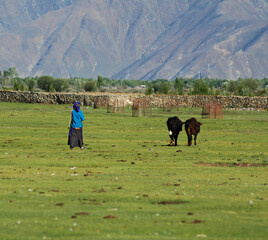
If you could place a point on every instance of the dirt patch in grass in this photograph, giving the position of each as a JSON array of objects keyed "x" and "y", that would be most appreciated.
[
  {"x": 110, "y": 216},
  {"x": 171, "y": 202},
  {"x": 82, "y": 213},
  {"x": 60, "y": 204},
  {"x": 218, "y": 164},
  {"x": 194, "y": 222}
]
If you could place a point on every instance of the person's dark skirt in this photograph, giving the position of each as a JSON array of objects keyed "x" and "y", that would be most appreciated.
[{"x": 75, "y": 138}]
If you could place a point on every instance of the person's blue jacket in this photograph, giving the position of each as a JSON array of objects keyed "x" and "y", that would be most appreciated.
[{"x": 77, "y": 118}]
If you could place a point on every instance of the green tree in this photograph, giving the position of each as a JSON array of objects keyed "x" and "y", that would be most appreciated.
[
  {"x": 1, "y": 78},
  {"x": 51, "y": 88},
  {"x": 13, "y": 72},
  {"x": 248, "y": 86},
  {"x": 200, "y": 87},
  {"x": 30, "y": 84},
  {"x": 232, "y": 87},
  {"x": 217, "y": 92},
  {"x": 100, "y": 82},
  {"x": 179, "y": 86},
  {"x": 6, "y": 78},
  {"x": 149, "y": 90},
  {"x": 44, "y": 82},
  {"x": 22, "y": 86},
  {"x": 164, "y": 88},
  {"x": 18, "y": 85},
  {"x": 241, "y": 89},
  {"x": 264, "y": 82},
  {"x": 252, "y": 84},
  {"x": 78, "y": 86},
  {"x": 50, "y": 84},
  {"x": 210, "y": 87},
  {"x": 60, "y": 85},
  {"x": 157, "y": 84},
  {"x": 262, "y": 92},
  {"x": 90, "y": 86},
  {"x": 8, "y": 75}
]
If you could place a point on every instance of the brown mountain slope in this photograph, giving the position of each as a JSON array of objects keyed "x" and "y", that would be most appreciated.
[{"x": 135, "y": 39}]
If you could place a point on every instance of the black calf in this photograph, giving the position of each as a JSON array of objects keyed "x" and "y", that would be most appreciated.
[{"x": 174, "y": 125}]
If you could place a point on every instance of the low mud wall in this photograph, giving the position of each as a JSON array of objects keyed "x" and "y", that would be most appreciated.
[{"x": 101, "y": 99}]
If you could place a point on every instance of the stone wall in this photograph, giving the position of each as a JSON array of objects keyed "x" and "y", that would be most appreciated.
[
  {"x": 101, "y": 99},
  {"x": 53, "y": 98}
]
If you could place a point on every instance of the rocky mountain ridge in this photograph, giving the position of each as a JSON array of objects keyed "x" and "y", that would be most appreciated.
[{"x": 135, "y": 39}]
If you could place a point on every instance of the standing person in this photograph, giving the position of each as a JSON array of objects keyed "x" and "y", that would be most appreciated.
[{"x": 76, "y": 127}]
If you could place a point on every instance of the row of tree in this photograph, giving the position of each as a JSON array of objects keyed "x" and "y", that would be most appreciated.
[
  {"x": 9, "y": 78},
  {"x": 181, "y": 86},
  {"x": 242, "y": 87}
]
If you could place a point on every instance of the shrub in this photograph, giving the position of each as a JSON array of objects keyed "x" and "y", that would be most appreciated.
[
  {"x": 90, "y": 86},
  {"x": 22, "y": 86},
  {"x": 100, "y": 81},
  {"x": 232, "y": 87},
  {"x": 31, "y": 84},
  {"x": 179, "y": 86},
  {"x": 44, "y": 82},
  {"x": 200, "y": 88},
  {"x": 217, "y": 92},
  {"x": 50, "y": 84},
  {"x": 60, "y": 85},
  {"x": 164, "y": 88},
  {"x": 18, "y": 85},
  {"x": 262, "y": 92},
  {"x": 51, "y": 88},
  {"x": 150, "y": 89}
]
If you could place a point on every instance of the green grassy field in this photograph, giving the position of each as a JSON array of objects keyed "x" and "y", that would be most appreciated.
[{"x": 128, "y": 184}]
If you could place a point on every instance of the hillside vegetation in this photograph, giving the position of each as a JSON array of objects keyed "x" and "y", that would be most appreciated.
[{"x": 242, "y": 87}]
